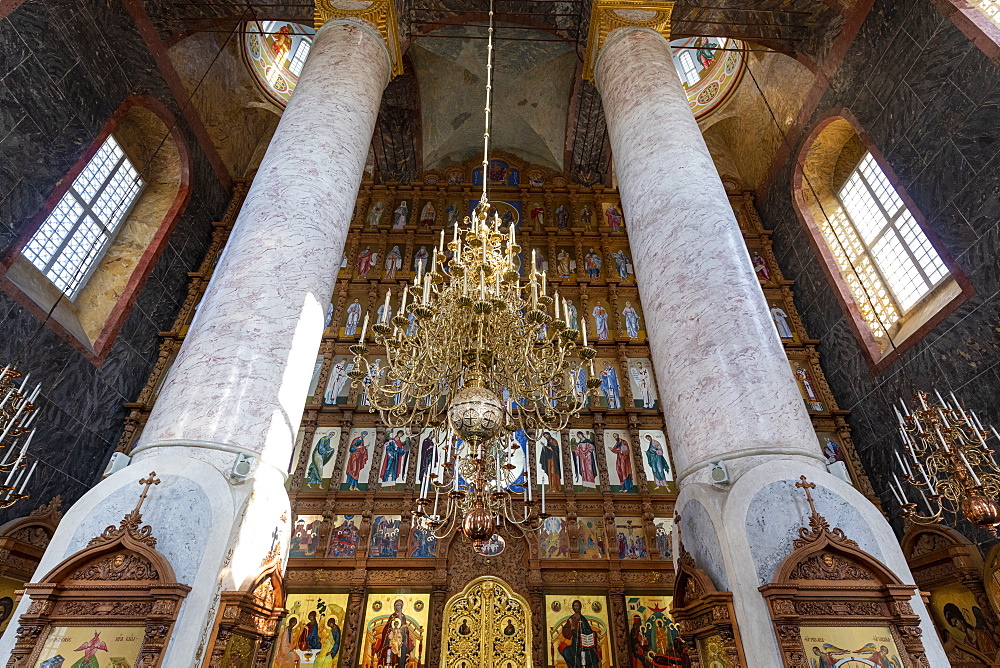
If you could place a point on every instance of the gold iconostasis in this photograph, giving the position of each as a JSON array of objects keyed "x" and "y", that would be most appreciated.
[
  {"x": 601, "y": 566},
  {"x": 598, "y": 576}
]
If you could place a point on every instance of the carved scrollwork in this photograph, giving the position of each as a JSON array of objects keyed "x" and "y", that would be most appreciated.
[
  {"x": 828, "y": 566},
  {"x": 118, "y": 567}
]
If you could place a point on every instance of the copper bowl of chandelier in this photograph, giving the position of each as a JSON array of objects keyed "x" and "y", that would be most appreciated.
[
  {"x": 476, "y": 414},
  {"x": 478, "y": 524},
  {"x": 981, "y": 511}
]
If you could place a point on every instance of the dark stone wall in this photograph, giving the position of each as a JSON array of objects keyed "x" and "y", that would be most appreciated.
[
  {"x": 930, "y": 100},
  {"x": 66, "y": 67}
]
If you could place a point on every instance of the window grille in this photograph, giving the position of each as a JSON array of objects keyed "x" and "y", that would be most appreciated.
[
  {"x": 82, "y": 225},
  {"x": 894, "y": 263},
  {"x": 691, "y": 74},
  {"x": 299, "y": 59}
]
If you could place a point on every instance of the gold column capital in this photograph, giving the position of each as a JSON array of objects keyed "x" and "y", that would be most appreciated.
[
  {"x": 608, "y": 15},
  {"x": 380, "y": 14}
]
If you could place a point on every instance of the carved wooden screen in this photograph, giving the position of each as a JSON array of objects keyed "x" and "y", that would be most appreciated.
[
  {"x": 829, "y": 588},
  {"x": 706, "y": 618},
  {"x": 247, "y": 622},
  {"x": 487, "y": 624},
  {"x": 117, "y": 599},
  {"x": 949, "y": 568}
]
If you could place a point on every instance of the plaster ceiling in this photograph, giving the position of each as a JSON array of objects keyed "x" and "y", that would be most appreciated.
[{"x": 532, "y": 85}]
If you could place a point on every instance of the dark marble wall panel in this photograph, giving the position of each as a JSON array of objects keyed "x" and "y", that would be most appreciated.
[
  {"x": 931, "y": 102},
  {"x": 65, "y": 67}
]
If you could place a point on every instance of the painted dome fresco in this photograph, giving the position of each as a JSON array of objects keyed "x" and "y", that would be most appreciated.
[
  {"x": 275, "y": 52},
  {"x": 710, "y": 68}
]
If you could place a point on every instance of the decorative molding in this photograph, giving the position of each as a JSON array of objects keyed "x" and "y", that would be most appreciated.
[
  {"x": 609, "y": 15},
  {"x": 381, "y": 14}
]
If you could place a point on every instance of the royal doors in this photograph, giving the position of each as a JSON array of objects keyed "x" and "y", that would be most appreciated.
[{"x": 487, "y": 624}]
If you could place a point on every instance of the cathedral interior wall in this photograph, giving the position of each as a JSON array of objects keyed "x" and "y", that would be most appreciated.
[
  {"x": 929, "y": 99},
  {"x": 63, "y": 78}
]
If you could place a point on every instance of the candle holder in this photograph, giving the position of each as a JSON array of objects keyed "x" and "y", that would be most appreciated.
[{"x": 947, "y": 460}]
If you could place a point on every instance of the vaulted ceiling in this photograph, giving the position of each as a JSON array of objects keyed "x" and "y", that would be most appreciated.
[{"x": 431, "y": 115}]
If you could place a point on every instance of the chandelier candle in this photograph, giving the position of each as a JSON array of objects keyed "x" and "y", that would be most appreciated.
[{"x": 948, "y": 447}]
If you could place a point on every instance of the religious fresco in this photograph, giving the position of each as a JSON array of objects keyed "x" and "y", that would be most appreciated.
[
  {"x": 499, "y": 173},
  {"x": 710, "y": 69},
  {"x": 564, "y": 266},
  {"x": 305, "y": 536},
  {"x": 311, "y": 634},
  {"x": 91, "y": 647},
  {"x": 640, "y": 374},
  {"x": 659, "y": 475},
  {"x": 385, "y": 536},
  {"x": 397, "y": 447},
  {"x": 633, "y": 322},
  {"x": 353, "y": 316},
  {"x": 322, "y": 458},
  {"x": 960, "y": 620},
  {"x": 781, "y": 319},
  {"x": 652, "y": 634},
  {"x": 553, "y": 539},
  {"x": 578, "y": 631},
  {"x": 274, "y": 52},
  {"x": 630, "y": 536},
  {"x": 807, "y": 386},
  {"x": 583, "y": 447},
  {"x": 317, "y": 370},
  {"x": 613, "y": 216},
  {"x": 618, "y": 448},
  {"x": 395, "y": 630},
  {"x": 338, "y": 385},
  {"x": 850, "y": 645},
  {"x": 548, "y": 458},
  {"x": 610, "y": 391},
  {"x": 430, "y": 460},
  {"x": 423, "y": 544},
  {"x": 664, "y": 529},
  {"x": 8, "y": 597},
  {"x": 360, "y": 446},
  {"x": 591, "y": 538},
  {"x": 345, "y": 536}
]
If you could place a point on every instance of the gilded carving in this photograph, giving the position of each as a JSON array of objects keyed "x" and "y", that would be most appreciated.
[
  {"x": 487, "y": 624},
  {"x": 118, "y": 567},
  {"x": 608, "y": 15}
]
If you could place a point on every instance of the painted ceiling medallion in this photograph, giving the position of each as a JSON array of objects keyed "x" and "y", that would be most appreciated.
[
  {"x": 710, "y": 68},
  {"x": 275, "y": 52}
]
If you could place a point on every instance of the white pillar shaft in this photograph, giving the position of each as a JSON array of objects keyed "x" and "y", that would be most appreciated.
[
  {"x": 725, "y": 383},
  {"x": 241, "y": 377}
]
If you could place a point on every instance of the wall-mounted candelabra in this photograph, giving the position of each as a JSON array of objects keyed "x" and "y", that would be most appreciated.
[
  {"x": 17, "y": 417},
  {"x": 947, "y": 460}
]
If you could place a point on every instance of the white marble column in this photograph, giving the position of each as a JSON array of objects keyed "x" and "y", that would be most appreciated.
[
  {"x": 240, "y": 380},
  {"x": 724, "y": 381},
  {"x": 725, "y": 384}
]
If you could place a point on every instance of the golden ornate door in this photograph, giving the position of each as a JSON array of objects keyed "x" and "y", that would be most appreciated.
[{"x": 486, "y": 625}]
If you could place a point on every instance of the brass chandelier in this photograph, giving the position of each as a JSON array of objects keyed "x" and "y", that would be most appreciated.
[
  {"x": 947, "y": 459},
  {"x": 17, "y": 415},
  {"x": 490, "y": 353}
]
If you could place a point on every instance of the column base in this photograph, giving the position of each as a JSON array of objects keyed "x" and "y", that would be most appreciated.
[
  {"x": 740, "y": 534},
  {"x": 213, "y": 531}
]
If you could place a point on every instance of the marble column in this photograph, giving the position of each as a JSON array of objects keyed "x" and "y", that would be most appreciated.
[
  {"x": 724, "y": 381},
  {"x": 239, "y": 384},
  {"x": 723, "y": 378}
]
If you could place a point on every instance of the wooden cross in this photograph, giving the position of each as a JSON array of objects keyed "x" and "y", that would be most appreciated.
[
  {"x": 148, "y": 482},
  {"x": 806, "y": 485}
]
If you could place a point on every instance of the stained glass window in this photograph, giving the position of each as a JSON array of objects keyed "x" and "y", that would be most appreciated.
[
  {"x": 886, "y": 259},
  {"x": 82, "y": 225}
]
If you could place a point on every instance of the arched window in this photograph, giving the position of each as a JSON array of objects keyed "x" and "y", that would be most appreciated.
[
  {"x": 88, "y": 251},
  {"x": 84, "y": 223},
  {"x": 892, "y": 279}
]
